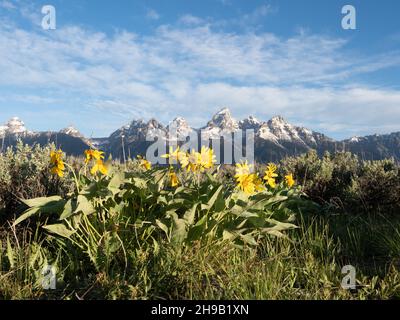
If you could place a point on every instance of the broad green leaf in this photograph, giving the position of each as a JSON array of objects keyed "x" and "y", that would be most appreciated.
[
  {"x": 116, "y": 181},
  {"x": 226, "y": 235},
  {"x": 68, "y": 210},
  {"x": 84, "y": 205},
  {"x": 163, "y": 227},
  {"x": 179, "y": 232},
  {"x": 59, "y": 229},
  {"x": 28, "y": 213},
  {"x": 40, "y": 202},
  {"x": 53, "y": 207},
  {"x": 246, "y": 238},
  {"x": 214, "y": 197},
  {"x": 190, "y": 214},
  {"x": 198, "y": 229},
  {"x": 280, "y": 225},
  {"x": 139, "y": 183},
  {"x": 246, "y": 214}
]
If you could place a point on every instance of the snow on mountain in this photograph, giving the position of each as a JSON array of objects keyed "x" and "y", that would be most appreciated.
[
  {"x": 249, "y": 123},
  {"x": 264, "y": 132},
  {"x": 71, "y": 131},
  {"x": 222, "y": 123},
  {"x": 3, "y": 130},
  {"x": 138, "y": 130},
  {"x": 354, "y": 139},
  {"x": 15, "y": 127},
  {"x": 283, "y": 130},
  {"x": 275, "y": 138},
  {"x": 178, "y": 129}
]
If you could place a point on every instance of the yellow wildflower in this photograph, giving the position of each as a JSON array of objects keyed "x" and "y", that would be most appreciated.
[
  {"x": 242, "y": 169},
  {"x": 289, "y": 180},
  {"x": 174, "y": 156},
  {"x": 93, "y": 155},
  {"x": 57, "y": 164},
  {"x": 192, "y": 161},
  {"x": 270, "y": 175},
  {"x": 207, "y": 158},
  {"x": 99, "y": 166},
  {"x": 258, "y": 183},
  {"x": 174, "y": 179},
  {"x": 145, "y": 164},
  {"x": 250, "y": 183}
]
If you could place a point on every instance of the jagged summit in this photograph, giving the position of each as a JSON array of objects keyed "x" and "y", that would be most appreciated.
[
  {"x": 274, "y": 139},
  {"x": 250, "y": 122},
  {"x": 179, "y": 129},
  {"x": 71, "y": 131},
  {"x": 14, "y": 126},
  {"x": 224, "y": 120}
]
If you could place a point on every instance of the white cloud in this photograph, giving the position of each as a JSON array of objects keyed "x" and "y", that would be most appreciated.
[
  {"x": 8, "y": 5},
  {"x": 193, "y": 70},
  {"x": 152, "y": 14},
  {"x": 190, "y": 20}
]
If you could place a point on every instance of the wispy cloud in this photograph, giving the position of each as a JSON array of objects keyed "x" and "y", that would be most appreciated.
[
  {"x": 152, "y": 14},
  {"x": 188, "y": 19},
  {"x": 191, "y": 69},
  {"x": 8, "y": 5}
]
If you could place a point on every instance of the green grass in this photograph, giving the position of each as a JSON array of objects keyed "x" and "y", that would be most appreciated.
[
  {"x": 146, "y": 240},
  {"x": 306, "y": 265}
]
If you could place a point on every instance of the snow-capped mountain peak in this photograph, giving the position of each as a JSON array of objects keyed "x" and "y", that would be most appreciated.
[
  {"x": 71, "y": 131},
  {"x": 224, "y": 120},
  {"x": 221, "y": 123},
  {"x": 250, "y": 123},
  {"x": 179, "y": 128},
  {"x": 15, "y": 126},
  {"x": 282, "y": 129}
]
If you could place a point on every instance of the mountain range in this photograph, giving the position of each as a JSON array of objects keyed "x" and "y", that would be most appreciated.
[{"x": 274, "y": 139}]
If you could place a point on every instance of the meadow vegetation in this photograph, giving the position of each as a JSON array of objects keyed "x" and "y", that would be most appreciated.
[{"x": 195, "y": 230}]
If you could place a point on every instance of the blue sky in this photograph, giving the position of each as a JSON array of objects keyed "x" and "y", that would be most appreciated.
[{"x": 109, "y": 62}]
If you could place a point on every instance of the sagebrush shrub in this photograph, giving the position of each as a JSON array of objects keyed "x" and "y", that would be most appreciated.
[
  {"x": 345, "y": 182},
  {"x": 24, "y": 174}
]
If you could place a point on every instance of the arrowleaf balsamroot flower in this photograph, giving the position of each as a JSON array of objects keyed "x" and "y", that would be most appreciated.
[
  {"x": 242, "y": 169},
  {"x": 174, "y": 179},
  {"x": 270, "y": 175},
  {"x": 174, "y": 156},
  {"x": 289, "y": 180},
  {"x": 93, "y": 155},
  {"x": 99, "y": 166},
  {"x": 57, "y": 164},
  {"x": 248, "y": 182},
  {"x": 192, "y": 162},
  {"x": 98, "y": 157},
  {"x": 207, "y": 158},
  {"x": 145, "y": 164}
]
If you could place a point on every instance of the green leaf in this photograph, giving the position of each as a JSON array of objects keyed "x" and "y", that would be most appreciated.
[
  {"x": 246, "y": 238},
  {"x": 84, "y": 205},
  {"x": 28, "y": 213},
  {"x": 116, "y": 181},
  {"x": 40, "y": 202},
  {"x": 59, "y": 229},
  {"x": 198, "y": 229},
  {"x": 179, "y": 232},
  {"x": 214, "y": 197},
  {"x": 163, "y": 227},
  {"x": 190, "y": 214},
  {"x": 226, "y": 235},
  {"x": 68, "y": 210}
]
